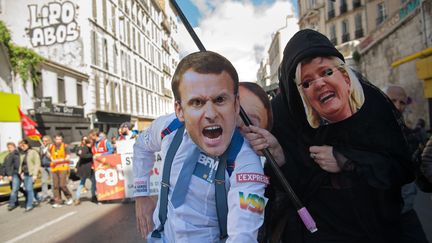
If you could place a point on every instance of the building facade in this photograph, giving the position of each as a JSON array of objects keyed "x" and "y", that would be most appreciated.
[
  {"x": 267, "y": 75},
  {"x": 106, "y": 61},
  {"x": 406, "y": 31},
  {"x": 312, "y": 15},
  {"x": 344, "y": 22}
]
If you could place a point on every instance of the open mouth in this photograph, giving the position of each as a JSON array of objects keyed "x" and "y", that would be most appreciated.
[
  {"x": 212, "y": 132},
  {"x": 323, "y": 98}
]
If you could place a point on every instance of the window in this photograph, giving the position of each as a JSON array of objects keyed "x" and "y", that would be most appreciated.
[
  {"x": 107, "y": 96},
  {"x": 122, "y": 64},
  {"x": 113, "y": 22},
  {"x": 141, "y": 74},
  {"x": 356, "y": 4},
  {"x": 105, "y": 54},
  {"x": 381, "y": 15},
  {"x": 331, "y": 10},
  {"x": 133, "y": 39},
  {"x": 112, "y": 96},
  {"x": 135, "y": 71},
  {"x": 104, "y": 13},
  {"x": 130, "y": 99},
  {"x": 343, "y": 6},
  {"x": 345, "y": 31},
  {"x": 312, "y": 3},
  {"x": 39, "y": 87},
  {"x": 139, "y": 42},
  {"x": 358, "y": 26},
  {"x": 97, "y": 92},
  {"x": 124, "y": 98},
  {"x": 94, "y": 49},
  {"x": 115, "y": 54},
  {"x": 61, "y": 90},
  {"x": 79, "y": 94},
  {"x": 128, "y": 33},
  {"x": 136, "y": 100},
  {"x": 94, "y": 3}
]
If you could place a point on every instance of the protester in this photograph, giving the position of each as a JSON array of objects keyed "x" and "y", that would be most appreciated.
[
  {"x": 426, "y": 165},
  {"x": 205, "y": 87},
  {"x": 343, "y": 150},
  {"x": 420, "y": 130},
  {"x": 256, "y": 104},
  {"x": 114, "y": 144},
  {"x": 28, "y": 171},
  {"x": 10, "y": 167},
  {"x": 412, "y": 230},
  {"x": 45, "y": 169},
  {"x": 84, "y": 167},
  {"x": 58, "y": 153},
  {"x": 100, "y": 146},
  {"x": 126, "y": 132}
]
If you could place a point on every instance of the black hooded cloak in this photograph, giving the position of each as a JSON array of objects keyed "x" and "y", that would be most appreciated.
[{"x": 362, "y": 203}]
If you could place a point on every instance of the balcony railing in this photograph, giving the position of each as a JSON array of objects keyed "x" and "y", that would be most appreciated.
[
  {"x": 167, "y": 92},
  {"x": 345, "y": 37},
  {"x": 166, "y": 25},
  {"x": 165, "y": 46},
  {"x": 174, "y": 45},
  {"x": 166, "y": 69},
  {"x": 359, "y": 33},
  {"x": 343, "y": 8},
  {"x": 356, "y": 4},
  {"x": 380, "y": 20},
  {"x": 334, "y": 41},
  {"x": 331, "y": 14}
]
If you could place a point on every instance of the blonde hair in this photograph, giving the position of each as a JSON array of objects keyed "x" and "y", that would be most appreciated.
[{"x": 356, "y": 97}]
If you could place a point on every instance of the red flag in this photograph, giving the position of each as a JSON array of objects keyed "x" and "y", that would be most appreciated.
[{"x": 28, "y": 126}]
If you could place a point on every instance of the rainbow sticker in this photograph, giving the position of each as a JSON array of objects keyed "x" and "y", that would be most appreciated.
[{"x": 252, "y": 202}]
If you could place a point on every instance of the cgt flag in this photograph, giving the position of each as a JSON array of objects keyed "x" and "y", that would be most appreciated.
[{"x": 28, "y": 126}]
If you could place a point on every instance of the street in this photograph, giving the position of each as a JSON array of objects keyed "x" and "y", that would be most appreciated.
[
  {"x": 423, "y": 207},
  {"x": 87, "y": 222},
  {"x": 109, "y": 222}
]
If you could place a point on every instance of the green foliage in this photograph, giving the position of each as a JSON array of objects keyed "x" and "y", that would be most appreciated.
[{"x": 24, "y": 61}]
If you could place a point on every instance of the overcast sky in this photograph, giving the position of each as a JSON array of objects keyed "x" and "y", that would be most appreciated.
[{"x": 240, "y": 30}]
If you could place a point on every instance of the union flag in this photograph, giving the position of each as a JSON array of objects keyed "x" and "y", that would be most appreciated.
[{"x": 29, "y": 127}]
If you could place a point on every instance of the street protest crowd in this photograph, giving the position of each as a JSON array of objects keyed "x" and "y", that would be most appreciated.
[
  {"x": 340, "y": 142},
  {"x": 51, "y": 160}
]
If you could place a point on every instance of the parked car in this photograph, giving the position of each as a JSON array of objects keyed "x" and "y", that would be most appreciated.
[{"x": 5, "y": 189}]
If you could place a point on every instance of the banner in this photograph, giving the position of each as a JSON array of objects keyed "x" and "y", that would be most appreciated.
[
  {"x": 109, "y": 177},
  {"x": 125, "y": 149},
  {"x": 29, "y": 127}
]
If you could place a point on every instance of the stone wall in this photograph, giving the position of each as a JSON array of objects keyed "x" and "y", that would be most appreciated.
[{"x": 407, "y": 38}]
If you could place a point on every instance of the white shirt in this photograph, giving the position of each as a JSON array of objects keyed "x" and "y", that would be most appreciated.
[{"x": 196, "y": 220}]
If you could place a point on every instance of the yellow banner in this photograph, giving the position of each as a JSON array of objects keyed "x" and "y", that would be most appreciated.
[{"x": 10, "y": 103}]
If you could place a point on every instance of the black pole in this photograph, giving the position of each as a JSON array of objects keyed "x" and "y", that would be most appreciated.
[{"x": 188, "y": 26}]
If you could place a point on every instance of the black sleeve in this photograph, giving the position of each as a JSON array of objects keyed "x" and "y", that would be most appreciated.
[
  {"x": 381, "y": 170},
  {"x": 86, "y": 153},
  {"x": 16, "y": 164},
  {"x": 426, "y": 164}
]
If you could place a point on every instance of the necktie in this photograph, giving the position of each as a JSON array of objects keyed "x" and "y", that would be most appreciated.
[{"x": 182, "y": 185}]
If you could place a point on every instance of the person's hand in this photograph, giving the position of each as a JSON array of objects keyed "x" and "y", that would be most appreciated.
[
  {"x": 34, "y": 178},
  {"x": 323, "y": 156},
  {"x": 1, "y": 178},
  {"x": 144, "y": 208},
  {"x": 10, "y": 178},
  {"x": 260, "y": 139}
]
